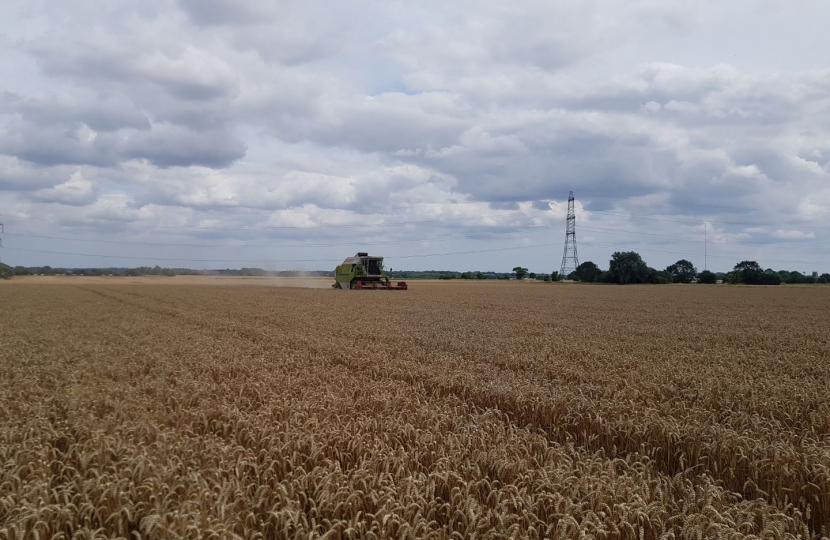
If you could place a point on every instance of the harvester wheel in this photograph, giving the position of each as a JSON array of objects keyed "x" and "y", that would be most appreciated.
[{"x": 353, "y": 284}]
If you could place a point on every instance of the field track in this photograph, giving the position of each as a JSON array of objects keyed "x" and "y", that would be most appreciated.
[{"x": 181, "y": 407}]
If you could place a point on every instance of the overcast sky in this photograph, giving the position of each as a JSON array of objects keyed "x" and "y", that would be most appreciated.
[{"x": 288, "y": 135}]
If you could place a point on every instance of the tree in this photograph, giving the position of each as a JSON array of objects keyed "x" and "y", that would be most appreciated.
[
  {"x": 588, "y": 272},
  {"x": 532, "y": 275},
  {"x": 824, "y": 278},
  {"x": 747, "y": 272},
  {"x": 682, "y": 271},
  {"x": 466, "y": 275},
  {"x": 6, "y": 271},
  {"x": 627, "y": 267},
  {"x": 479, "y": 275},
  {"x": 770, "y": 277},
  {"x": 791, "y": 277},
  {"x": 707, "y": 277},
  {"x": 659, "y": 277},
  {"x": 520, "y": 272},
  {"x": 554, "y": 276}
]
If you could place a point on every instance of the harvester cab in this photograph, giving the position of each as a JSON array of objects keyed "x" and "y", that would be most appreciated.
[{"x": 364, "y": 272}]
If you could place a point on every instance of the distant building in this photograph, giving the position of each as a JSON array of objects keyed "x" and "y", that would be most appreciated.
[{"x": 815, "y": 275}]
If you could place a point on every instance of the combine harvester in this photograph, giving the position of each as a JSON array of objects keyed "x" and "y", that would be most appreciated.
[{"x": 364, "y": 272}]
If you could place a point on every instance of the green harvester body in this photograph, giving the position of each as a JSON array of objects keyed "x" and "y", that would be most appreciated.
[{"x": 364, "y": 272}]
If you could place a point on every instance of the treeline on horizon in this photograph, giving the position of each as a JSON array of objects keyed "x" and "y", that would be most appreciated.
[
  {"x": 623, "y": 268},
  {"x": 629, "y": 268}
]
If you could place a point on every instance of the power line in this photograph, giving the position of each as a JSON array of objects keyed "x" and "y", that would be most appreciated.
[
  {"x": 337, "y": 225},
  {"x": 598, "y": 230},
  {"x": 655, "y": 217},
  {"x": 359, "y": 226},
  {"x": 698, "y": 221},
  {"x": 705, "y": 206},
  {"x": 276, "y": 260},
  {"x": 167, "y": 258},
  {"x": 731, "y": 257},
  {"x": 190, "y": 244},
  {"x": 253, "y": 210},
  {"x": 290, "y": 211},
  {"x": 689, "y": 239},
  {"x": 526, "y": 214},
  {"x": 644, "y": 249},
  {"x": 333, "y": 244},
  {"x": 805, "y": 247},
  {"x": 618, "y": 232},
  {"x": 638, "y": 233}
]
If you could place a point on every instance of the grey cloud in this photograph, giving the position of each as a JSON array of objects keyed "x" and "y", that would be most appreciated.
[
  {"x": 622, "y": 151},
  {"x": 509, "y": 205},
  {"x": 717, "y": 95},
  {"x": 291, "y": 44},
  {"x": 361, "y": 186},
  {"x": 165, "y": 145},
  {"x": 102, "y": 60},
  {"x": 172, "y": 146},
  {"x": 280, "y": 32},
  {"x": 101, "y": 113},
  {"x": 540, "y": 160},
  {"x": 115, "y": 103},
  {"x": 188, "y": 75},
  {"x": 56, "y": 145},
  {"x": 388, "y": 123},
  {"x": 219, "y": 12},
  {"x": 17, "y": 175}
]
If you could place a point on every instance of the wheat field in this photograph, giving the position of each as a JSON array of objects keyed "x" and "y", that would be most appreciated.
[{"x": 172, "y": 408}]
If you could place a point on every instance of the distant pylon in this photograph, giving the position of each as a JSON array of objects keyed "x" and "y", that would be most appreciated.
[{"x": 570, "y": 260}]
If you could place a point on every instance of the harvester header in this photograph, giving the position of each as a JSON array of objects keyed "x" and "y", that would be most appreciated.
[{"x": 364, "y": 272}]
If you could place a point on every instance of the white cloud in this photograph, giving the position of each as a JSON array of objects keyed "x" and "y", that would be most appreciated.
[
  {"x": 793, "y": 234},
  {"x": 75, "y": 191}
]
